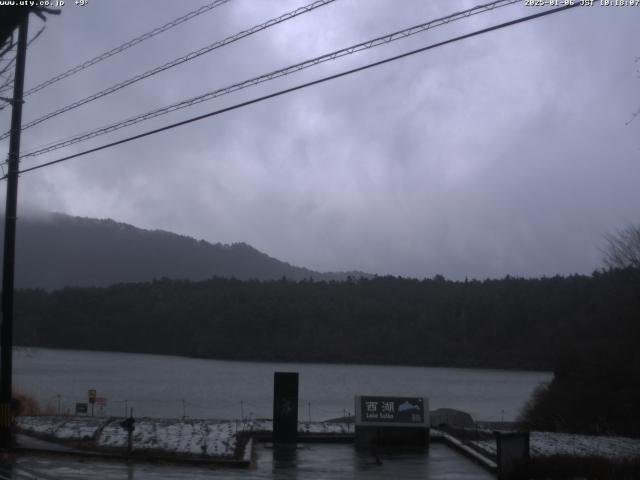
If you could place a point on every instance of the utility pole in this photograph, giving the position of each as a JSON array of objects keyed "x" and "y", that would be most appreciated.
[{"x": 6, "y": 331}]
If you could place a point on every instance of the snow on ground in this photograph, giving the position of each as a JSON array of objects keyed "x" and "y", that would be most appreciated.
[
  {"x": 329, "y": 428},
  {"x": 64, "y": 428},
  {"x": 210, "y": 438},
  {"x": 42, "y": 425},
  {"x": 193, "y": 437},
  {"x": 325, "y": 427},
  {"x": 78, "y": 429},
  {"x": 544, "y": 444},
  {"x": 258, "y": 425}
]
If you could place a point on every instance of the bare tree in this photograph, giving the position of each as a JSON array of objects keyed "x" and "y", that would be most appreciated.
[{"x": 622, "y": 249}]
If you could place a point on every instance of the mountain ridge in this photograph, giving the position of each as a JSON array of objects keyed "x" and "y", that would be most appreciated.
[{"x": 56, "y": 250}]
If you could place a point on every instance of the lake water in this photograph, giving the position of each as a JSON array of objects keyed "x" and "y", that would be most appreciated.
[{"x": 165, "y": 386}]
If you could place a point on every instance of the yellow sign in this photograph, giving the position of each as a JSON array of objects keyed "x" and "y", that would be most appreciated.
[{"x": 92, "y": 396}]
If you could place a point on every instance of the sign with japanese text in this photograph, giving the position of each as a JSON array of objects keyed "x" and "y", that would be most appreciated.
[
  {"x": 400, "y": 411},
  {"x": 101, "y": 403},
  {"x": 81, "y": 408},
  {"x": 92, "y": 396}
]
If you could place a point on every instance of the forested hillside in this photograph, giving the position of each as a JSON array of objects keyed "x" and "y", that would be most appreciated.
[{"x": 508, "y": 323}]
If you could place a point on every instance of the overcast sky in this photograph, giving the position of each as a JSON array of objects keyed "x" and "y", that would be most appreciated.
[{"x": 507, "y": 153}]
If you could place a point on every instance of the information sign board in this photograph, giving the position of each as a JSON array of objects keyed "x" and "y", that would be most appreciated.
[{"x": 392, "y": 411}]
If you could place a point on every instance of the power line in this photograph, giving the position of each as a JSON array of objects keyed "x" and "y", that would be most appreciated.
[
  {"x": 126, "y": 45},
  {"x": 178, "y": 61},
  {"x": 10, "y": 44},
  {"x": 6, "y": 86},
  {"x": 10, "y": 62},
  {"x": 270, "y": 76},
  {"x": 301, "y": 86},
  {"x": 9, "y": 82},
  {"x": 8, "y": 65},
  {"x": 33, "y": 39},
  {"x": 275, "y": 74}
]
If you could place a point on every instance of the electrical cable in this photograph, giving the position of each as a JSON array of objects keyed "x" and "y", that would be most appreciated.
[
  {"x": 6, "y": 86},
  {"x": 8, "y": 65},
  {"x": 126, "y": 45},
  {"x": 301, "y": 86},
  {"x": 33, "y": 39},
  {"x": 272, "y": 75},
  {"x": 178, "y": 61},
  {"x": 9, "y": 42}
]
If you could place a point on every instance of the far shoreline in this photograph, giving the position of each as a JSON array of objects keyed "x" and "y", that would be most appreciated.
[{"x": 292, "y": 362}]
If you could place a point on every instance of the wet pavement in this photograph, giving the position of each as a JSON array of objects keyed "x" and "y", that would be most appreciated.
[{"x": 308, "y": 461}]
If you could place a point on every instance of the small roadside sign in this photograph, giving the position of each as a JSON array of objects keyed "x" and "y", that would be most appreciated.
[
  {"x": 82, "y": 408},
  {"x": 101, "y": 402},
  {"x": 392, "y": 421},
  {"x": 397, "y": 411}
]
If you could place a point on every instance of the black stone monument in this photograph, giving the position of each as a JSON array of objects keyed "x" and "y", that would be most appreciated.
[
  {"x": 513, "y": 455},
  {"x": 285, "y": 408}
]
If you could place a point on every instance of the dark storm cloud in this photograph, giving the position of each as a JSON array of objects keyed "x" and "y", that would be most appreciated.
[{"x": 503, "y": 154}]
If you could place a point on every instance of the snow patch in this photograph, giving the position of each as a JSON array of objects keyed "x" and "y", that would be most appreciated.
[
  {"x": 64, "y": 428},
  {"x": 204, "y": 438},
  {"x": 191, "y": 437},
  {"x": 545, "y": 444}
]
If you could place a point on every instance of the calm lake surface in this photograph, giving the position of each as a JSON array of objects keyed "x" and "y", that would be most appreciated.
[{"x": 165, "y": 386}]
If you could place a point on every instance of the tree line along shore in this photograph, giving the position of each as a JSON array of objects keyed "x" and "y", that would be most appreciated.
[{"x": 584, "y": 328}]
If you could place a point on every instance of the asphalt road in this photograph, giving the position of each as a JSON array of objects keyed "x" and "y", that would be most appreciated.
[{"x": 311, "y": 461}]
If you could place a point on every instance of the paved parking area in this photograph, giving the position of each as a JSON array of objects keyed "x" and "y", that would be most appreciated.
[{"x": 310, "y": 461}]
